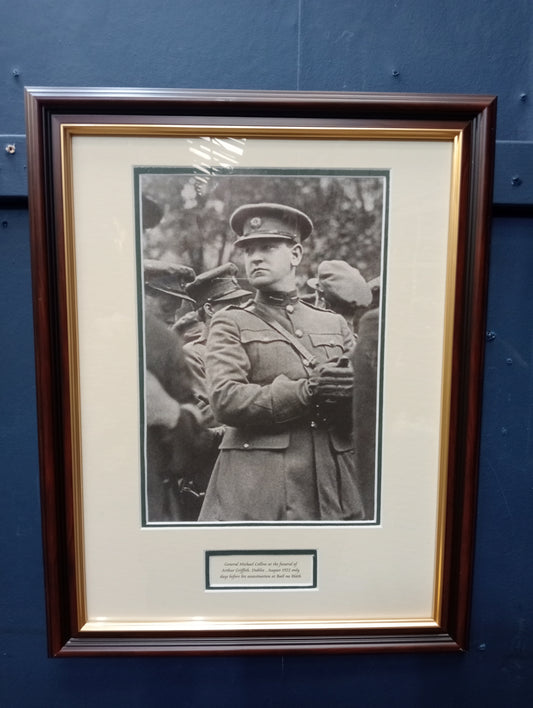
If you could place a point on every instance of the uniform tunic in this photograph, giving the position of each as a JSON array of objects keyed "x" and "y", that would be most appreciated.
[
  {"x": 278, "y": 460},
  {"x": 195, "y": 352}
]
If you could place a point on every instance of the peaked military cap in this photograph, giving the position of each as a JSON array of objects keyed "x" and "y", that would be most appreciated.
[
  {"x": 341, "y": 282},
  {"x": 217, "y": 285},
  {"x": 272, "y": 221},
  {"x": 167, "y": 277}
]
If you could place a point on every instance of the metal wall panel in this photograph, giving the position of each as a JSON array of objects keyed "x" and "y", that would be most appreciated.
[{"x": 411, "y": 45}]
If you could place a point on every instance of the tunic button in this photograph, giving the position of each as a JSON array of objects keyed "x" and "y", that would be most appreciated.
[
  {"x": 313, "y": 424},
  {"x": 290, "y": 309},
  {"x": 299, "y": 333},
  {"x": 331, "y": 342},
  {"x": 246, "y": 446}
]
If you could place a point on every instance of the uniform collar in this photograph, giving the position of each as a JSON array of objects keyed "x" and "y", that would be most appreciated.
[{"x": 276, "y": 299}]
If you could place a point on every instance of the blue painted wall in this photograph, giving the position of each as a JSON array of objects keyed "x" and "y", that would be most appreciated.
[{"x": 471, "y": 46}]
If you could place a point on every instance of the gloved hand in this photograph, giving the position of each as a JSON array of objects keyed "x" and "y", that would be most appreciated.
[{"x": 332, "y": 382}]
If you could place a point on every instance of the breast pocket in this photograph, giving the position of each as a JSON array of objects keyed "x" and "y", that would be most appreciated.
[
  {"x": 330, "y": 345},
  {"x": 270, "y": 355}
]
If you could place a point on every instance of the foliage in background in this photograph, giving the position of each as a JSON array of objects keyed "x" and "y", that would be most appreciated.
[{"x": 346, "y": 210}]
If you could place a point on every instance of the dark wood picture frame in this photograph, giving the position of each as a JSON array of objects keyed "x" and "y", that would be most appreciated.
[{"x": 471, "y": 119}]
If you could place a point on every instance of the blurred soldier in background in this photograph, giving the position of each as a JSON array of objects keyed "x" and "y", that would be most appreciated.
[
  {"x": 342, "y": 288},
  {"x": 365, "y": 364},
  {"x": 152, "y": 212},
  {"x": 164, "y": 290},
  {"x": 280, "y": 379},
  {"x": 212, "y": 290},
  {"x": 178, "y": 443},
  {"x": 175, "y": 432}
]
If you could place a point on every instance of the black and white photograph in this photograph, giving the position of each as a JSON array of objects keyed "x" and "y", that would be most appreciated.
[{"x": 260, "y": 315}]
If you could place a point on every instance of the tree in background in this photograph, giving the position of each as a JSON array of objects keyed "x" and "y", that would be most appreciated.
[{"x": 346, "y": 210}]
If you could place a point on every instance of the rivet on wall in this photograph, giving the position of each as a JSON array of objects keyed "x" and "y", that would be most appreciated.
[
  {"x": 516, "y": 181},
  {"x": 523, "y": 97},
  {"x": 396, "y": 74},
  {"x": 11, "y": 149},
  {"x": 15, "y": 72}
]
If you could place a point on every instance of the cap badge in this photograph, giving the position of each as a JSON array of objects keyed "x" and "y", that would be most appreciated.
[{"x": 255, "y": 222}]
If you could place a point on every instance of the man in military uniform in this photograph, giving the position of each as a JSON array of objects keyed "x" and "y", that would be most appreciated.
[
  {"x": 212, "y": 290},
  {"x": 280, "y": 380},
  {"x": 342, "y": 288}
]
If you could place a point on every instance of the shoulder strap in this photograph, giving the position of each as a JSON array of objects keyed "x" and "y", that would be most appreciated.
[{"x": 308, "y": 360}]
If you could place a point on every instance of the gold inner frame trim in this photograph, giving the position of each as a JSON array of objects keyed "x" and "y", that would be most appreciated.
[
  {"x": 198, "y": 625},
  {"x": 354, "y": 133},
  {"x": 451, "y": 277},
  {"x": 265, "y": 131},
  {"x": 74, "y": 370}
]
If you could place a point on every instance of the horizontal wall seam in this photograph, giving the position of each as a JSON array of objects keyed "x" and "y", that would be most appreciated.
[{"x": 513, "y": 174}]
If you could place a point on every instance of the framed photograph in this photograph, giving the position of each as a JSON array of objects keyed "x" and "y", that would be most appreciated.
[{"x": 259, "y": 324}]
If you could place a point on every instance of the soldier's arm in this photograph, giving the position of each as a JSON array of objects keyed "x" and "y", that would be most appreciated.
[
  {"x": 234, "y": 399},
  {"x": 348, "y": 337},
  {"x": 196, "y": 365}
]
